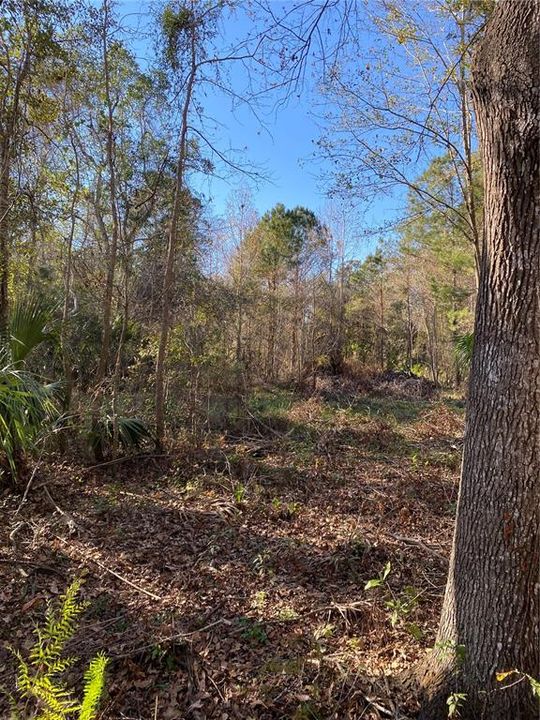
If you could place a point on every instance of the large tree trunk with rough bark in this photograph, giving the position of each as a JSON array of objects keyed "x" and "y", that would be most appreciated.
[{"x": 491, "y": 615}]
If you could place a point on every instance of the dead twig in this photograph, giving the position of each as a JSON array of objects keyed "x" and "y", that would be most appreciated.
[
  {"x": 116, "y": 575},
  {"x": 124, "y": 458},
  {"x": 171, "y": 638},
  {"x": 28, "y": 487},
  {"x": 72, "y": 525},
  {"x": 30, "y": 563},
  {"x": 420, "y": 544}
]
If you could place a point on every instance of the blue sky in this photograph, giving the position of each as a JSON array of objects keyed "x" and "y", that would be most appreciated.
[{"x": 282, "y": 146}]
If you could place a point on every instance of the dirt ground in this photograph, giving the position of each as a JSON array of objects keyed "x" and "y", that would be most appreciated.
[{"x": 228, "y": 581}]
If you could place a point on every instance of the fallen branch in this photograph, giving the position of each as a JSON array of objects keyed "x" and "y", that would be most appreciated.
[
  {"x": 420, "y": 544},
  {"x": 39, "y": 566},
  {"x": 171, "y": 638},
  {"x": 72, "y": 525},
  {"x": 116, "y": 575},
  {"x": 124, "y": 458},
  {"x": 27, "y": 488}
]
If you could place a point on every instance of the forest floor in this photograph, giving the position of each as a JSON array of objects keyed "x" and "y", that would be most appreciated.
[{"x": 228, "y": 581}]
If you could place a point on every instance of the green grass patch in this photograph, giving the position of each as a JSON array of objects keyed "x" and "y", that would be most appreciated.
[
  {"x": 390, "y": 409},
  {"x": 271, "y": 402}
]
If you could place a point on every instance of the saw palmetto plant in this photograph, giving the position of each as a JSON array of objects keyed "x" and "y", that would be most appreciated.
[{"x": 27, "y": 404}]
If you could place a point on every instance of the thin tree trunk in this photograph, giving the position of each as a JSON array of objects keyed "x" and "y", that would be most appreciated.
[
  {"x": 491, "y": 614},
  {"x": 340, "y": 339},
  {"x": 172, "y": 243},
  {"x": 8, "y": 130},
  {"x": 295, "y": 364},
  {"x": 5, "y": 168},
  {"x": 68, "y": 277},
  {"x": 272, "y": 330},
  {"x": 113, "y": 246},
  {"x": 239, "y": 327},
  {"x": 409, "y": 325},
  {"x": 382, "y": 331},
  {"x": 466, "y": 133}
]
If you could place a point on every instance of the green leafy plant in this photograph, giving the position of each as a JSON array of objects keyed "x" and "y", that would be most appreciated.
[
  {"x": 463, "y": 348},
  {"x": 378, "y": 581},
  {"x": 31, "y": 323},
  {"x": 285, "y": 511},
  {"x": 38, "y": 676},
  {"x": 259, "y": 600},
  {"x": 399, "y": 606},
  {"x": 455, "y": 702},
  {"x": 323, "y": 632},
  {"x": 253, "y": 631},
  {"x": 132, "y": 433},
  {"x": 449, "y": 648},
  {"x": 239, "y": 493},
  {"x": 287, "y": 614},
  {"x": 27, "y": 405}
]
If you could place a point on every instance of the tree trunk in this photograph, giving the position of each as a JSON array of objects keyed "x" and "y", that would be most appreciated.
[
  {"x": 410, "y": 340},
  {"x": 491, "y": 614},
  {"x": 272, "y": 330},
  {"x": 4, "y": 233},
  {"x": 172, "y": 245},
  {"x": 295, "y": 330},
  {"x": 113, "y": 245},
  {"x": 68, "y": 279},
  {"x": 9, "y": 139},
  {"x": 382, "y": 329},
  {"x": 336, "y": 355}
]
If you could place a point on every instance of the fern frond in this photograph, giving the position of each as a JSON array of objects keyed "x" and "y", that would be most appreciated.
[
  {"x": 47, "y": 714},
  {"x": 36, "y": 677},
  {"x": 23, "y": 673},
  {"x": 61, "y": 665},
  {"x": 14, "y": 710},
  {"x": 60, "y": 624},
  {"x": 94, "y": 682},
  {"x": 54, "y": 700}
]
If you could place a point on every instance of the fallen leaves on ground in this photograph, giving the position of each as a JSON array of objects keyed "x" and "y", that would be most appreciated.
[{"x": 227, "y": 581}]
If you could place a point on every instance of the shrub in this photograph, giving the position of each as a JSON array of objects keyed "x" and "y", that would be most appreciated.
[
  {"x": 132, "y": 433},
  {"x": 26, "y": 404}
]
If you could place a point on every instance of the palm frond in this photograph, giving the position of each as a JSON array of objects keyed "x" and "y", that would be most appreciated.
[
  {"x": 26, "y": 407},
  {"x": 132, "y": 433},
  {"x": 463, "y": 347},
  {"x": 30, "y": 324},
  {"x": 26, "y": 404}
]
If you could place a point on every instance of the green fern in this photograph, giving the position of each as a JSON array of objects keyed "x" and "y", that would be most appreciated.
[
  {"x": 94, "y": 684},
  {"x": 37, "y": 677}
]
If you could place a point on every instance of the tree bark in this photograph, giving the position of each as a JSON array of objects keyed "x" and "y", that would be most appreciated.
[
  {"x": 9, "y": 138},
  {"x": 272, "y": 329},
  {"x": 68, "y": 279},
  {"x": 172, "y": 243},
  {"x": 113, "y": 199},
  {"x": 491, "y": 614},
  {"x": 5, "y": 168}
]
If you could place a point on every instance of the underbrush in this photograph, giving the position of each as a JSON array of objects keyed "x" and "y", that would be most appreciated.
[{"x": 228, "y": 576}]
